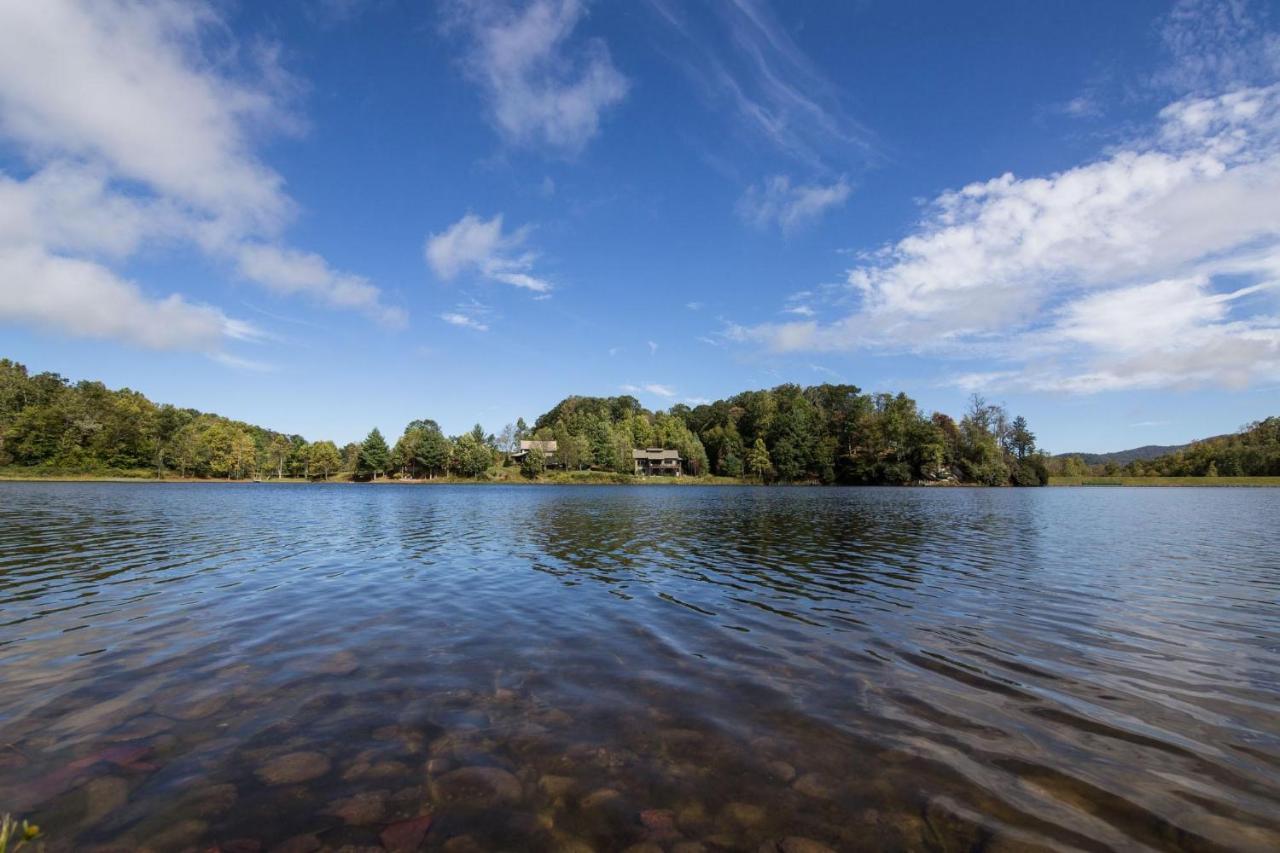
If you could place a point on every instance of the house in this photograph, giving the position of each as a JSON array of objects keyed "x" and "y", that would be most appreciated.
[
  {"x": 548, "y": 449},
  {"x": 657, "y": 460}
]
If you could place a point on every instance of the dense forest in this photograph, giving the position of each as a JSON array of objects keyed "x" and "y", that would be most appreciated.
[
  {"x": 790, "y": 434},
  {"x": 1254, "y": 451}
]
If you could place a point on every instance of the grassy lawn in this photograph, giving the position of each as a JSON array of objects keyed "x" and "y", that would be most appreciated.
[{"x": 1164, "y": 481}]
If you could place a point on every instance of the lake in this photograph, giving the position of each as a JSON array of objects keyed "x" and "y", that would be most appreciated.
[{"x": 577, "y": 668}]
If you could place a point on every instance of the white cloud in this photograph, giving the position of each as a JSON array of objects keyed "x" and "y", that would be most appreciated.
[
  {"x": 1135, "y": 270},
  {"x": 653, "y": 388},
  {"x": 290, "y": 271},
  {"x": 464, "y": 320},
  {"x": 693, "y": 306},
  {"x": 653, "y": 348},
  {"x": 540, "y": 88},
  {"x": 777, "y": 202},
  {"x": 472, "y": 243},
  {"x": 137, "y": 131},
  {"x": 772, "y": 89},
  {"x": 1217, "y": 45},
  {"x": 85, "y": 299},
  {"x": 1081, "y": 106}
]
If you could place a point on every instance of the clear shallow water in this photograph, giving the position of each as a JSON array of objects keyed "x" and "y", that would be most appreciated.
[{"x": 575, "y": 668}]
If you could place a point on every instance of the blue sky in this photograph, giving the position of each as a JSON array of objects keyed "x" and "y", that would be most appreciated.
[{"x": 327, "y": 216}]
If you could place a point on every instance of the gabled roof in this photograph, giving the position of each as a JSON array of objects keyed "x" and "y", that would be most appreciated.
[
  {"x": 544, "y": 446},
  {"x": 656, "y": 454}
]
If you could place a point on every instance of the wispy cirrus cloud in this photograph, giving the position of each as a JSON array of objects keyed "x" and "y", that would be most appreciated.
[
  {"x": 162, "y": 153},
  {"x": 1218, "y": 45},
  {"x": 466, "y": 321},
  {"x": 777, "y": 202},
  {"x": 542, "y": 86},
  {"x": 1156, "y": 265},
  {"x": 469, "y": 314},
  {"x": 477, "y": 245},
  {"x": 767, "y": 83}
]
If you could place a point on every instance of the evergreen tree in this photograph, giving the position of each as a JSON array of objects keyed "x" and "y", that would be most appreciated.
[{"x": 374, "y": 455}]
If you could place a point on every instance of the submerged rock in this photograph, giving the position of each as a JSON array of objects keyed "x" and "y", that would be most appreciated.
[
  {"x": 556, "y": 786},
  {"x": 659, "y": 823},
  {"x": 211, "y": 800},
  {"x": 363, "y": 809},
  {"x": 463, "y": 844},
  {"x": 599, "y": 797},
  {"x": 198, "y": 709},
  {"x": 341, "y": 663},
  {"x": 796, "y": 844},
  {"x": 688, "y": 847},
  {"x": 103, "y": 796},
  {"x": 479, "y": 785},
  {"x": 782, "y": 771},
  {"x": 744, "y": 814},
  {"x": 178, "y": 835},
  {"x": 815, "y": 785},
  {"x": 406, "y": 836},
  {"x": 306, "y": 843},
  {"x": 294, "y": 767},
  {"x": 240, "y": 845}
]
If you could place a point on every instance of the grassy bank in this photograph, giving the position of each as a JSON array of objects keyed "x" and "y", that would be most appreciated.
[{"x": 1164, "y": 481}]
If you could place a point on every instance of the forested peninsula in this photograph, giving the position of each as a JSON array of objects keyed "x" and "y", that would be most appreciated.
[{"x": 824, "y": 434}]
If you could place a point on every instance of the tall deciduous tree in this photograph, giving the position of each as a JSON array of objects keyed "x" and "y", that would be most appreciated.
[{"x": 323, "y": 457}]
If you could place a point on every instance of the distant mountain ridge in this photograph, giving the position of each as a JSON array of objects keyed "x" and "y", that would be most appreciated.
[
  {"x": 1124, "y": 457},
  {"x": 1136, "y": 454}
]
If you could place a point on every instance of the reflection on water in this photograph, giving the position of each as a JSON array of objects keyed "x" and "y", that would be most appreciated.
[{"x": 679, "y": 668}]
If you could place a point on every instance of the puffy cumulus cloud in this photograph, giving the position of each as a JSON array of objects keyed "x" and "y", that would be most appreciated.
[
  {"x": 540, "y": 88},
  {"x": 135, "y": 133},
  {"x": 476, "y": 245},
  {"x": 85, "y": 299},
  {"x": 778, "y": 202},
  {"x": 1153, "y": 266}
]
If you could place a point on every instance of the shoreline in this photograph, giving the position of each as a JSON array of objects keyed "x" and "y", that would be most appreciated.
[{"x": 609, "y": 479}]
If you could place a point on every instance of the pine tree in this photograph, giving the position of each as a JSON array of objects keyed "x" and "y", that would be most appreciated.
[{"x": 374, "y": 455}]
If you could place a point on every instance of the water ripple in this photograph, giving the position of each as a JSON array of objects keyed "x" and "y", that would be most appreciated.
[{"x": 898, "y": 668}]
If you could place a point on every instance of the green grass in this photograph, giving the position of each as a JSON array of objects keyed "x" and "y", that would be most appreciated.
[{"x": 1164, "y": 481}]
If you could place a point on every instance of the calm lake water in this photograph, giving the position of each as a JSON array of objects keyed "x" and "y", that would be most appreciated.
[{"x": 591, "y": 668}]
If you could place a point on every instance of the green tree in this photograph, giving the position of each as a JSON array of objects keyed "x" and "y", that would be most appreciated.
[
  {"x": 374, "y": 456},
  {"x": 471, "y": 457},
  {"x": 278, "y": 452},
  {"x": 533, "y": 464},
  {"x": 1022, "y": 441},
  {"x": 758, "y": 461},
  {"x": 323, "y": 457}
]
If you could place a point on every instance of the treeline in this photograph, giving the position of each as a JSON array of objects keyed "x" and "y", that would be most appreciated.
[
  {"x": 1254, "y": 451},
  {"x": 820, "y": 434}
]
